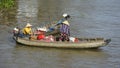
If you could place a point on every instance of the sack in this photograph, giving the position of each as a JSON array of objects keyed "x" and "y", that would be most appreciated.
[
  {"x": 33, "y": 37},
  {"x": 73, "y": 39},
  {"x": 40, "y": 37}
]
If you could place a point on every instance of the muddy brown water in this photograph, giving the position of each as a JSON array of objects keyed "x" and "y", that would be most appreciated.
[{"x": 90, "y": 18}]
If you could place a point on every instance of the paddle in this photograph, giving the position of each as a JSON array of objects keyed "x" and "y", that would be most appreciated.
[{"x": 54, "y": 24}]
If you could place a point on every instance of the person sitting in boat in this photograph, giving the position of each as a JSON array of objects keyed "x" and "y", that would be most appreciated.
[
  {"x": 41, "y": 35},
  {"x": 27, "y": 31},
  {"x": 17, "y": 32}
]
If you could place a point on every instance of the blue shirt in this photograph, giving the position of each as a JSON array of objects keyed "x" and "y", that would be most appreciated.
[{"x": 60, "y": 21}]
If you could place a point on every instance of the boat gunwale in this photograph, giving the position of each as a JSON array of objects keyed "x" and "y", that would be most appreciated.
[{"x": 42, "y": 41}]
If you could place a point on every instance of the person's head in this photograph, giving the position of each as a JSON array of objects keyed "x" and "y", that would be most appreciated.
[
  {"x": 66, "y": 16},
  {"x": 28, "y": 25}
]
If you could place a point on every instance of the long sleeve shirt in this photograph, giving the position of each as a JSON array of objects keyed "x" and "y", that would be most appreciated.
[
  {"x": 65, "y": 29},
  {"x": 27, "y": 30},
  {"x": 60, "y": 21}
]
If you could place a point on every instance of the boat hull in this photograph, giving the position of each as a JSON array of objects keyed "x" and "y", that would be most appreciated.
[{"x": 81, "y": 44}]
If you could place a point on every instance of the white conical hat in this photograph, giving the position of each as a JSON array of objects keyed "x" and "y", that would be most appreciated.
[
  {"x": 16, "y": 29},
  {"x": 28, "y": 25},
  {"x": 65, "y": 15},
  {"x": 66, "y": 22},
  {"x": 42, "y": 29}
]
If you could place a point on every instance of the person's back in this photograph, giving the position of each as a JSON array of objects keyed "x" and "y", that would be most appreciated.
[
  {"x": 15, "y": 31},
  {"x": 65, "y": 32},
  {"x": 40, "y": 37},
  {"x": 65, "y": 28},
  {"x": 27, "y": 30}
]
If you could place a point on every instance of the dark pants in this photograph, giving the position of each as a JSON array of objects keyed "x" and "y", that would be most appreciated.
[{"x": 19, "y": 35}]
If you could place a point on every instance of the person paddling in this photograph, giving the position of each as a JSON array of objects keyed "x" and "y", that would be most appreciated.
[{"x": 64, "y": 28}]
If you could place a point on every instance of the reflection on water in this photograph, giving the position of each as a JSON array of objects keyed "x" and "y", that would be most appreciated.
[
  {"x": 27, "y": 12},
  {"x": 24, "y": 55},
  {"x": 27, "y": 9}
]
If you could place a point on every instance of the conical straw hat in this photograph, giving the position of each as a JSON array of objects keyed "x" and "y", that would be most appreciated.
[
  {"x": 28, "y": 25},
  {"x": 66, "y": 22}
]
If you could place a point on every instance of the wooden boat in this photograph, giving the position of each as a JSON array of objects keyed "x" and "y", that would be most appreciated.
[{"x": 83, "y": 43}]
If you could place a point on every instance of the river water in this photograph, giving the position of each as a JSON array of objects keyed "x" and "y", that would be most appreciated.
[{"x": 90, "y": 18}]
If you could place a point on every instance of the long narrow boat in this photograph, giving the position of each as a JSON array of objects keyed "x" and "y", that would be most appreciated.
[{"x": 83, "y": 43}]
